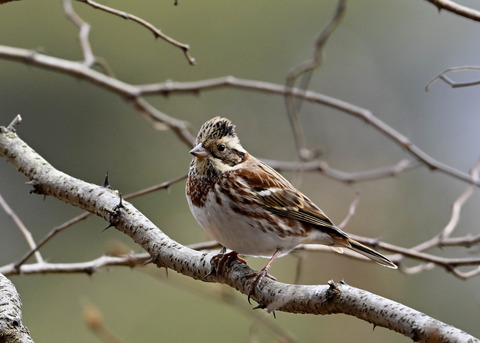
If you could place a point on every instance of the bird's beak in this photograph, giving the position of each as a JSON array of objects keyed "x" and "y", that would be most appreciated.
[{"x": 199, "y": 151}]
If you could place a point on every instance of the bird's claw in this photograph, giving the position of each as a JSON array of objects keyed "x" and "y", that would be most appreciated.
[
  {"x": 258, "y": 277},
  {"x": 222, "y": 260}
]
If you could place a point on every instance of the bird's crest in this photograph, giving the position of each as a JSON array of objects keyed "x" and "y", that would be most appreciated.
[{"x": 215, "y": 129}]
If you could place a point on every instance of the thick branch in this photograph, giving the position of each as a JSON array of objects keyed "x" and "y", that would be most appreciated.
[
  {"x": 12, "y": 329},
  {"x": 170, "y": 254}
]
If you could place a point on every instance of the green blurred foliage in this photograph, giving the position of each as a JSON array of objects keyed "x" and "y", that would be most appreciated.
[{"x": 380, "y": 58}]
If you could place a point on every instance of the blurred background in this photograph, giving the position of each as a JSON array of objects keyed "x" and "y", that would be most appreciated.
[{"x": 380, "y": 58}]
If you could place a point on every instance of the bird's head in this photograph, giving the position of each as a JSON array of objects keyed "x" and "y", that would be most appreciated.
[{"x": 217, "y": 147}]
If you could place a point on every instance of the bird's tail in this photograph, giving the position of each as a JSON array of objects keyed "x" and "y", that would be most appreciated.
[{"x": 370, "y": 253}]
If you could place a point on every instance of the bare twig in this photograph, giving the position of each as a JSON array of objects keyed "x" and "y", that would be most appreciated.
[
  {"x": 156, "y": 32},
  {"x": 15, "y": 122},
  {"x": 89, "y": 57},
  {"x": 453, "y": 7},
  {"x": 163, "y": 185},
  {"x": 449, "y": 264},
  {"x": 49, "y": 236},
  {"x": 456, "y": 208},
  {"x": 443, "y": 239},
  {"x": 351, "y": 210},
  {"x": 305, "y": 71},
  {"x": 89, "y": 267},
  {"x": 160, "y": 120},
  {"x": 457, "y": 205},
  {"x": 324, "y": 168},
  {"x": 466, "y": 241},
  {"x": 26, "y": 233},
  {"x": 420, "y": 268},
  {"x": 443, "y": 76}
]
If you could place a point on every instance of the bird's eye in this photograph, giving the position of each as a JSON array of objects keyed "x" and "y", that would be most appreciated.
[{"x": 221, "y": 147}]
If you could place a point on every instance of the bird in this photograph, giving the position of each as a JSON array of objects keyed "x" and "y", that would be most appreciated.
[{"x": 249, "y": 208}]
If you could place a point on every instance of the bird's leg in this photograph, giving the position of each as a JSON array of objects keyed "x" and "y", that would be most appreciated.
[
  {"x": 258, "y": 276},
  {"x": 220, "y": 254}
]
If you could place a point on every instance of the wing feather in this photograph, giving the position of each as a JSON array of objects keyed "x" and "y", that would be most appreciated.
[{"x": 278, "y": 196}]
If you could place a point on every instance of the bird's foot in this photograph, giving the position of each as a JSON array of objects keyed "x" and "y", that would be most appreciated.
[
  {"x": 222, "y": 260},
  {"x": 257, "y": 278}
]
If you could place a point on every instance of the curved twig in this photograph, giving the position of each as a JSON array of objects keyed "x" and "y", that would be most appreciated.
[
  {"x": 23, "y": 229},
  {"x": 443, "y": 76},
  {"x": 305, "y": 70},
  {"x": 156, "y": 32}
]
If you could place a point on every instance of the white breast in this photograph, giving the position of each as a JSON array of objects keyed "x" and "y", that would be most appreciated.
[{"x": 247, "y": 235}]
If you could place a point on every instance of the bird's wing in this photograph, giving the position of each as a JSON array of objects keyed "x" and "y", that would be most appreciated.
[
  {"x": 294, "y": 205},
  {"x": 277, "y": 195}
]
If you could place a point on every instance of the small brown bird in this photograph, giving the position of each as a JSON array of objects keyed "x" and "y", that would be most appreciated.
[{"x": 251, "y": 209}]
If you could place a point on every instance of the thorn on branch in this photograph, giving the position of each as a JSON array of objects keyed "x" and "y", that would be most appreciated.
[
  {"x": 36, "y": 187},
  {"x": 156, "y": 260},
  {"x": 125, "y": 15},
  {"x": 332, "y": 285},
  {"x": 31, "y": 56},
  {"x": 450, "y": 268},
  {"x": 212, "y": 272},
  {"x": 90, "y": 271},
  {"x": 261, "y": 306},
  {"x": 332, "y": 290},
  {"x": 152, "y": 259},
  {"x": 108, "y": 226},
  {"x": 15, "y": 122},
  {"x": 106, "y": 183},
  {"x": 115, "y": 213}
]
